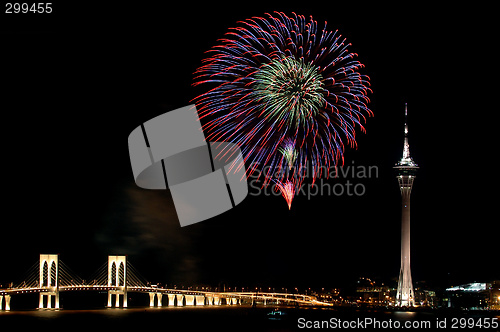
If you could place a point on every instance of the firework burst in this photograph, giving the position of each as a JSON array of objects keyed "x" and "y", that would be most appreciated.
[
  {"x": 286, "y": 92},
  {"x": 288, "y": 151}
]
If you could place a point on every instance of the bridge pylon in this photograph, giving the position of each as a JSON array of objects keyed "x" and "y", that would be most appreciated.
[
  {"x": 49, "y": 280},
  {"x": 7, "y": 302},
  {"x": 159, "y": 297},
  {"x": 117, "y": 280}
]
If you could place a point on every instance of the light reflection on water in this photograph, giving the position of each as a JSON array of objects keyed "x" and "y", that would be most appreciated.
[{"x": 404, "y": 315}]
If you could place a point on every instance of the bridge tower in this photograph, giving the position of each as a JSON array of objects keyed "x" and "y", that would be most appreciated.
[
  {"x": 49, "y": 280},
  {"x": 117, "y": 280}
]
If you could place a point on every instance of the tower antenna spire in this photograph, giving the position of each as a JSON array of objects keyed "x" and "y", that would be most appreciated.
[
  {"x": 406, "y": 119},
  {"x": 406, "y": 159}
]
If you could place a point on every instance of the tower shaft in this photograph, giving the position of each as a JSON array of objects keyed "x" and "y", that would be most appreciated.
[{"x": 405, "y": 294}]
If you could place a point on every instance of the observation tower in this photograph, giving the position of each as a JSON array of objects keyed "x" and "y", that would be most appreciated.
[{"x": 406, "y": 169}]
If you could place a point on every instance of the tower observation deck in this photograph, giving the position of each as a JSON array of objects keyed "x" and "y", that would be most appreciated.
[{"x": 406, "y": 169}]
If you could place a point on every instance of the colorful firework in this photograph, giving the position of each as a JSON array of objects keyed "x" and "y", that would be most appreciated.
[
  {"x": 288, "y": 151},
  {"x": 286, "y": 92},
  {"x": 287, "y": 191}
]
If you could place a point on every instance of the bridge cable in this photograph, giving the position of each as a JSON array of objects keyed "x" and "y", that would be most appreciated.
[
  {"x": 134, "y": 278},
  {"x": 30, "y": 278},
  {"x": 67, "y": 277},
  {"x": 100, "y": 276}
]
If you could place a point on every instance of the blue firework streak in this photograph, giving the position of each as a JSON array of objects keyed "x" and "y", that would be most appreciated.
[{"x": 280, "y": 87}]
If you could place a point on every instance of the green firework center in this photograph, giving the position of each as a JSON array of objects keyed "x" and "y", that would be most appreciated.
[{"x": 289, "y": 89}]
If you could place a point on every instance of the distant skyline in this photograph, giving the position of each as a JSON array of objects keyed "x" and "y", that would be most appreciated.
[{"x": 70, "y": 187}]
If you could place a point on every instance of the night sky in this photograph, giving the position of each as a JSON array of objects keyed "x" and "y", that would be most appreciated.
[{"x": 75, "y": 84}]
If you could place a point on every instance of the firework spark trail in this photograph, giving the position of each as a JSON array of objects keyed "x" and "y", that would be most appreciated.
[
  {"x": 287, "y": 93},
  {"x": 287, "y": 189}
]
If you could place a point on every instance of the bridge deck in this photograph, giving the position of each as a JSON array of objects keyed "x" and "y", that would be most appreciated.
[{"x": 284, "y": 297}]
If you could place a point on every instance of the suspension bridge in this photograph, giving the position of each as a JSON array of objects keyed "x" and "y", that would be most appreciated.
[{"x": 50, "y": 277}]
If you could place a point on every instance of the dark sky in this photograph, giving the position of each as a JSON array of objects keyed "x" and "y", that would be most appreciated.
[{"x": 75, "y": 84}]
